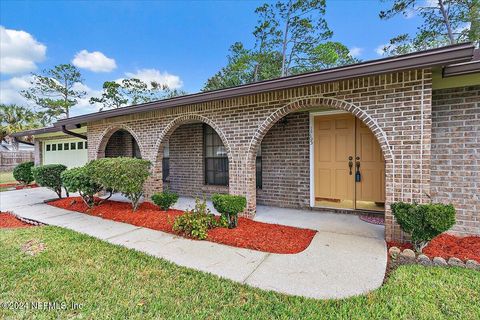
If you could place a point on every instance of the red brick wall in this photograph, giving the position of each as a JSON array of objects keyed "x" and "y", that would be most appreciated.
[
  {"x": 286, "y": 163},
  {"x": 187, "y": 177},
  {"x": 455, "y": 170},
  {"x": 395, "y": 106}
]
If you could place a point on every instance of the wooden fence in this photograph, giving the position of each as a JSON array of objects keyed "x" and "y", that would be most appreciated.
[{"x": 9, "y": 159}]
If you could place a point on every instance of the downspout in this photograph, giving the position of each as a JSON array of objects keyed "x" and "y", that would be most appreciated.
[{"x": 71, "y": 133}]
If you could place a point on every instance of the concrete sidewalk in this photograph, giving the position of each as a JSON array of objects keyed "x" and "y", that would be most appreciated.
[{"x": 346, "y": 257}]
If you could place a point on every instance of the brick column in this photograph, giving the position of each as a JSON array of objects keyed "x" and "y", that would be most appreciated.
[{"x": 38, "y": 152}]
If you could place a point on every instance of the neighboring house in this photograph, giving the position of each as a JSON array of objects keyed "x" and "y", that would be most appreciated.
[
  {"x": 10, "y": 147},
  {"x": 357, "y": 137}
]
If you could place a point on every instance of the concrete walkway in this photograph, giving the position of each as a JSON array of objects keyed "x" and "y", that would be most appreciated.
[{"x": 346, "y": 257}]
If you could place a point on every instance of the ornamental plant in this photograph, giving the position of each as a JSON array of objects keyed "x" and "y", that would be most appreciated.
[
  {"x": 423, "y": 221},
  {"x": 124, "y": 175},
  {"x": 197, "y": 222},
  {"x": 229, "y": 206},
  {"x": 23, "y": 172},
  {"x": 49, "y": 176},
  {"x": 78, "y": 180},
  {"x": 165, "y": 199}
]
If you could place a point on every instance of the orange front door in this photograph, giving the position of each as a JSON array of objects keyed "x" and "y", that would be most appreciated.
[{"x": 348, "y": 164}]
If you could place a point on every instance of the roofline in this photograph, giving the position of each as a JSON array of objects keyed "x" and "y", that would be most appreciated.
[
  {"x": 429, "y": 58},
  {"x": 461, "y": 69},
  {"x": 34, "y": 132}
]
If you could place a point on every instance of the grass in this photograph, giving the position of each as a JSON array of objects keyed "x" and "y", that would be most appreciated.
[
  {"x": 7, "y": 177},
  {"x": 112, "y": 282}
]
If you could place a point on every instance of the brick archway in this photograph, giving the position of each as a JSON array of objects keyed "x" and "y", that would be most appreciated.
[
  {"x": 107, "y": 134},
  {"x": 155, "y": 183},
  {"x": 307, "y": 103}
]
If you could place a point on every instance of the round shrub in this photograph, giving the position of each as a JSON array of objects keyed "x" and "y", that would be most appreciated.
[
  {"x": 78, "y": 180},
  {"x": 423, "y": 221},
  {"x": 197, "y": 222},
  {"x": 23, "y": 172},
  {"x": 125, "y": 175},
  {"x": 50, "y": 176},
  {"x": 165, "y": 199},
  {"x": 229, "y": 206}
]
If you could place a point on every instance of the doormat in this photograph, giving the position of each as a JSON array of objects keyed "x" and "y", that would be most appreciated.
[{"x": 373, "y": 220}]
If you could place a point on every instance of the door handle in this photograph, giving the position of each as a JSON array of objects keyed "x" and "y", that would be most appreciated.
[
  {"x": 358, "y": 175},
  {"x": 350, "y": 164}
]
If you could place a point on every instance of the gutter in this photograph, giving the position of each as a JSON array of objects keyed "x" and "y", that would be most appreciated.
[
  {"x": 461, "y": 69},
  {"x": 429, "y": 58},
  {"x": 78, "y": 135},
  {"x": 24, "y": 142}
]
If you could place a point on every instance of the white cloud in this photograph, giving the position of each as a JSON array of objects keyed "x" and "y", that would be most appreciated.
[
  {"x": 431, "y": 3},
  {"x": 94, "y": 61},
  {"x": 19, "y": 51},
  {"x": 154, "y": 75},
  {"x": 379, "y": 50},
  {"x": 356, "y": 52},
  {"x": 11, "y": 88}
]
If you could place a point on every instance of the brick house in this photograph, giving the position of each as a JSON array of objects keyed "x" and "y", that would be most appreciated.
[{"x": 348, "y": 139}]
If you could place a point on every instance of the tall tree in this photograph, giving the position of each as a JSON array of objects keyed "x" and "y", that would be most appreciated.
[
  {"x": 14, "y": 118},
  {"x": 298, "y": 27},
  {"x": 131, "y": 91},
  {"x": 290, "y": 38},
  {"x": 55, "y": 91},
  {"x": 444, "y": 22}
]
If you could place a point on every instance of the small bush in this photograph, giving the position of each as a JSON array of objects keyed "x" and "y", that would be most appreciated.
[
  {"x": 197, "y": 222},
  {"x": 125, "y": 175},
  {"x": 165, "y": 199},
  {"x": 23, "y": 172},
  {"x": 229, "y": 206},
  {"x": 78, "y": 180},
  {"x": 423, "y": 221},
  {"x": 50, "y": 176}
]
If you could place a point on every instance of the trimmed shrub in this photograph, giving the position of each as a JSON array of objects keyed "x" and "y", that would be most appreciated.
[
  {"x": 229, "y": 206},
  {"x": 197, "y": 222},
  {"x": 125, "y": 175},
  {"x": 50, "y": 176},
  {"x": 78, "y": 180},
  {"x": 165, "y": 199},
  {"x": 23, "y": 172},
  {"x": 423, "y": 221}
]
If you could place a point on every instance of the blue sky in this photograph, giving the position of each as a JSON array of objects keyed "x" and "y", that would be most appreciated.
[{"x": 183, "y": 42}]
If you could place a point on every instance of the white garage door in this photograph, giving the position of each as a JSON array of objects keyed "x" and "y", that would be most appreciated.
[{"x": 70, "y": 152}]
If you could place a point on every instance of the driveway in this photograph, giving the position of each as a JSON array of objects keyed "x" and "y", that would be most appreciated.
[{"x": 346, "y": 257}]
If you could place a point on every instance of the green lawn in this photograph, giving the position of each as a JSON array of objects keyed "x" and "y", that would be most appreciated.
[
  {"x": 116, "y": 283},
  {"x": 7, "y": 177}
]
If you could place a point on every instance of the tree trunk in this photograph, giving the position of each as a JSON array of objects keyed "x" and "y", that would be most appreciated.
[
  {"x": 447, "y": 21},
  {"x": 285, "y": 41}
]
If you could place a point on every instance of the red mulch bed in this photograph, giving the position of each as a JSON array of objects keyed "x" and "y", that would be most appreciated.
[
  {"x": 448, "y": 246},
  {"x": 249, "y": 234},
  {"x": 18, "y": 186},
  {"x": 8, "y": 220}
]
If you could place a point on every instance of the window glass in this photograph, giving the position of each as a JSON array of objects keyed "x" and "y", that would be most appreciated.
[
  {"x": 48, "y": 147},
  {"x": 60, "y": 147},
  {"x": 73, "y": 146},
  {"x": 66, "y": 146},
  {"x": 79, "y": 145},
  {"x": 54, "y": 147},
  {"x": 216, "y": 159},
  {"x": 166, "y": 150},
  {"x": 85, "y": 144}
]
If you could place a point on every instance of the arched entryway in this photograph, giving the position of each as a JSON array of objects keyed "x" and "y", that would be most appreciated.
[
  {"x": 193, "y": 158},
  {"x": 119, "y": 142},
  {"x": 292, "y": 124}
]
